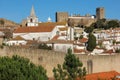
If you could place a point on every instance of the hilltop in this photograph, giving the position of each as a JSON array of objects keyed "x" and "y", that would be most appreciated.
[{"x": 9, "y": 23}]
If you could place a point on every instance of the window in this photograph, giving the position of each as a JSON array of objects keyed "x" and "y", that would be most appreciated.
[
  {"x": 31, "y": 20},
  {"x": 57, "y": 33}
]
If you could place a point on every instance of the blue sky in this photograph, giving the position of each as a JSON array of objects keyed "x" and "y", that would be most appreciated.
[{"x": 16, "y": 10}]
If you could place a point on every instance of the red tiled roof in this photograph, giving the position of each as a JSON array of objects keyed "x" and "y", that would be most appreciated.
[
  {"x": 83, "y": 40},
  {"x": 31, "y": 42},
  {"x": 63, "y": 29},
  {"x": 102, "y": 75},
  {"x": 55, "y": 37},
  {"x": 18, "y": 38},
  {"x": 61, "y": 41},
  {"x": 1, "y": 29},
  {"x": 109, "y": 51},
  {"x": 79, "y": 50},
  {"x": 63, "y": 34},
  {"x": 34, "y": 29}
]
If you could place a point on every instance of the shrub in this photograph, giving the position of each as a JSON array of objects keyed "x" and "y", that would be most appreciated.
[{"x": 44, "y": 46}]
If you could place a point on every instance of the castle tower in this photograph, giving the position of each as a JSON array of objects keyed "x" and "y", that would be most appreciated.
[
  {"x": 32, "y": 20},
  {"x": 62, "y": 16},
  {"x": 100, "y": 13}
]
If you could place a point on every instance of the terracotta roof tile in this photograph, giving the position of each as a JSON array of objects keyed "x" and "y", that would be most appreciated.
[
  {"x": 63, "y": 34},
  {"x": 83, "y": 40},
  {"x": 34, "y": 29},
  {"x": 109, "y": 51},
  {"x": 18, "y": 38},
  {"x": 102, "y": 75},
  {"x": 31, "y": 42},
  {"x": 61, "y": 41},
  {"x": 1, "y": 29},
  {"x": 63, "y": 29},
  {"x": 79, "y": 50},
  {"x": 55, "y": 37}
]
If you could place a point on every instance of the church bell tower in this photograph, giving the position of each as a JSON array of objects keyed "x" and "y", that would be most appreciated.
[{"x": 32, "y": 20}]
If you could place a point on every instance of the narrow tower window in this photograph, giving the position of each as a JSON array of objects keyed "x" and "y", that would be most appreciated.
[{"x": 31, "y": 20}]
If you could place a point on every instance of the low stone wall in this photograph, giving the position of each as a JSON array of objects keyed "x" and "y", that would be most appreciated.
[{"x": 49, "y": 59}]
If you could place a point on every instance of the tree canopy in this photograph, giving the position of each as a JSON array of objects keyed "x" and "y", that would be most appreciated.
[
  {"x": 112, "y": 24},
  {"x": 89, "y": 29},
  {"x": 105, "y": 24},
  {"x": 19, "y": 68}
]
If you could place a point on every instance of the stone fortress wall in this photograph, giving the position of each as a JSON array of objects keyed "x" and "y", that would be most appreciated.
[
  {"x": 78, "y": 20},
  {"x": 49, "y": 59}
]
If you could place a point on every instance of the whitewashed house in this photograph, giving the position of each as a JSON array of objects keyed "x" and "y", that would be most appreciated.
[
  {"x": 40, "y": 33},
  {"x": 61, "y": 45},
  {"x": 17, "y": 41},
  {"x": 97, "y": 51}
]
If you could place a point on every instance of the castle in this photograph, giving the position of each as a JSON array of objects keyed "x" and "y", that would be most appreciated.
[{"x": 79, "y": 20}]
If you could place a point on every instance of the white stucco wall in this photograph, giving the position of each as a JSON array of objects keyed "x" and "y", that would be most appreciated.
[
  {"x": 32, "y": 24},
  {"x": 70, "y": 33},
  {"x": 16, "y": 42},
  {"x": 62, "y": 38},
  {"x": 53, "y": 33},
  {"x": 34, "y": 21},
  {"x": 40, "y": 36},
  {"x": 80, "y": 47},
  {"x": 62, "y": 47},
  {"x": 60, "y": 26},
  {"x": 98, "y": 51}
]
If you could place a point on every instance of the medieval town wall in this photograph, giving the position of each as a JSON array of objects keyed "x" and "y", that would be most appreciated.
[{"x": 49, "y": 59}]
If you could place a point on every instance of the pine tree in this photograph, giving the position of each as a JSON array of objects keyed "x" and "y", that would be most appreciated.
[
  {"x": 71, "y": 68},
  {"x": 19, "y": 68}
]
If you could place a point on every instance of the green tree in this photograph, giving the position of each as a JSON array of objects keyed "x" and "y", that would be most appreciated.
[
  {"x": 91, "y": 44},
  {"x": 44, "y": 46},
  {"x": 112, "y": 24},
  {"x": 19, "y": 68},
  {"x": 89, "y": 29},
  {"x": 59, "y": 73},
  {"x": 101, "y": 23},
  {"x": 71, "y": 68},
  {"x": 81, "y": 36}
]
